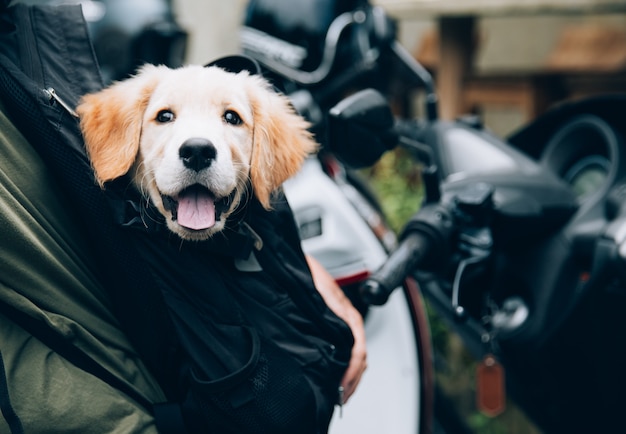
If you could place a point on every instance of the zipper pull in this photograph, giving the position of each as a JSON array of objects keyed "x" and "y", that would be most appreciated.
[
  {"x": 340, "y": 400},
  {"x": 52, "y": 96}
]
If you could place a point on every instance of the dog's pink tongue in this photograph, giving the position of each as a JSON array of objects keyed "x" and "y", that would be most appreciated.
[{"x": 196, "y": 210}]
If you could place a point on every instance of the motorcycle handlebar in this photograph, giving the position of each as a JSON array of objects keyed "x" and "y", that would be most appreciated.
[
  {"x": 409, "y": 255},
  {"x": 424, "y": 240}
]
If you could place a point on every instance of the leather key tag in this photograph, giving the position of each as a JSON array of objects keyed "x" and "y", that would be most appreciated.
[{"x": 490, "y": 390}]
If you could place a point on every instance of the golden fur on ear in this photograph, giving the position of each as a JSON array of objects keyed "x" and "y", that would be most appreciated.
[
  {"x": 111, "y": 123},
  {"x": 281, "y": 141}
]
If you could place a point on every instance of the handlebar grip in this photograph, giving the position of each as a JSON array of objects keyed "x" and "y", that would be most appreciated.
[{"x": 402, "y": 261}]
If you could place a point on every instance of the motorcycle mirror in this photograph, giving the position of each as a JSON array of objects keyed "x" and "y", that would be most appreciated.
[{"x": 360, "y": 128}]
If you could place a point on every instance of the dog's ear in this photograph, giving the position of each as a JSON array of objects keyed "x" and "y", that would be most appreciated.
[
  {"x": 281, "y": 141},
  {"x": 111, "y": 123}
]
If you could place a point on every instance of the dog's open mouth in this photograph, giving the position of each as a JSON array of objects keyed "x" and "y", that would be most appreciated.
[{"x": 195, "y": 207}]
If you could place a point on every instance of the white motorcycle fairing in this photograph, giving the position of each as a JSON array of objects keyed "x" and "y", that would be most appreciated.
[{"x": 335, "y": 233}]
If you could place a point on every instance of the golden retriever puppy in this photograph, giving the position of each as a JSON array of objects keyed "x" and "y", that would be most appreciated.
[{"x": 194, "y": 139}]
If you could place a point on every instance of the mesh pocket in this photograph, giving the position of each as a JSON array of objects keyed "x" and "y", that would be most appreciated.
[{"x": 276, "y": 398}]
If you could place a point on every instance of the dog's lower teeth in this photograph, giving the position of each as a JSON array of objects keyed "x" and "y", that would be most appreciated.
[{"x": 170, "y": 205}]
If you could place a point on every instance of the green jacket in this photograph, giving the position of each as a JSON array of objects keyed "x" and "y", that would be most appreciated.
[{"x": 46, "y": 271}]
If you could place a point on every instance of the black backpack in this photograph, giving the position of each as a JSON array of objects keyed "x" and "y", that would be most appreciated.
[{"x": 233, "y": 328}]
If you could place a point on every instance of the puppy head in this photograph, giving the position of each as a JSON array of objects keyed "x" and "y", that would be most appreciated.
[{"x": 192, "y": 140}]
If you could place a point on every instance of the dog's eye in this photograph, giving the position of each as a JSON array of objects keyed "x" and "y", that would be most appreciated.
[
  {"x": 232, "y": 118},
  {"x": 165, "y": 116}
]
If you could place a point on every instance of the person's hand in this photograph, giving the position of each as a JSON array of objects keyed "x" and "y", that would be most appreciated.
[{"x": 343, "y": 308}]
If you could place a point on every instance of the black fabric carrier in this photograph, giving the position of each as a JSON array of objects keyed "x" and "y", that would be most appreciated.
[
  {"x": 264, "y": 352},
  {"x": 233, "y": 328}
]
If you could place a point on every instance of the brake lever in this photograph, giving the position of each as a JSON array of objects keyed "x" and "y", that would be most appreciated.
[
  {"x": 481, "y": 254},
  {"x": 473, "y": 209}
]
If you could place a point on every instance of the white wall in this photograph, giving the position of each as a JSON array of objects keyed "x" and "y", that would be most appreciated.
[{"x": 212, "y": 25}]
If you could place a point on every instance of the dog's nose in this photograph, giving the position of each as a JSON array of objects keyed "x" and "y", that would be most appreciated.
[{"x": 197, "y": 153}]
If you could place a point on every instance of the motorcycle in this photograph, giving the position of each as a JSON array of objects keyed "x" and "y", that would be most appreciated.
[
  {"x": 340, "y": 220},
  {"x": 519, "y": 244}
]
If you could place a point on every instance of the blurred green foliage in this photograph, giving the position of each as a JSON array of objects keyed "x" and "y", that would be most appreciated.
[{"x": 397, "y": 183}]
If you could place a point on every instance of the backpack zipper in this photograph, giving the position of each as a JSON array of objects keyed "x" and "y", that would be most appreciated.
[
  {"x": 31, "y": 62},
  {"x": 53, "y": 96}
]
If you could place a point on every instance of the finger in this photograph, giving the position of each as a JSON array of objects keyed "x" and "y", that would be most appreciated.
[{"x": 355, "y": 371}]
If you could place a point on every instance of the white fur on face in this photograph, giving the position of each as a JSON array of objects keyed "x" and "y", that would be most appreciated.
[{"x": 160, "y": 170}]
